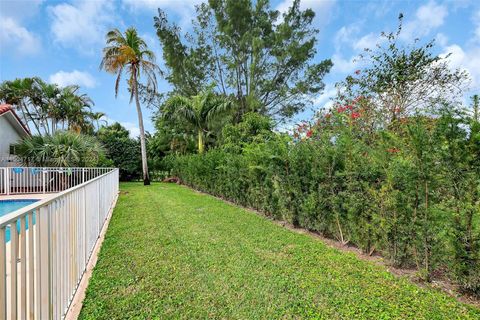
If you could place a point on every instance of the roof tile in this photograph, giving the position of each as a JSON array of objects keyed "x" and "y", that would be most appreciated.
[{"x": 4, "y": 108}]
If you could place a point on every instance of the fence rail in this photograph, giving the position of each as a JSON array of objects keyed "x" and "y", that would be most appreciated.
[
  {"x": 23, "y": 180},
  {"x": 45, "y": 247}
]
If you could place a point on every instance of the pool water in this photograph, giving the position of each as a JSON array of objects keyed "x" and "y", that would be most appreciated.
[{"x": 7, "y": 206}]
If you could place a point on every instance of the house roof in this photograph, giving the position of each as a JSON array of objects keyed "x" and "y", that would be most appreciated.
[
  {"x": 7, "y": 110},
  {"x": 4, "y": 108}
]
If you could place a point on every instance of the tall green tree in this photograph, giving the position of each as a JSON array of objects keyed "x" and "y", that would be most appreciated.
[
  {"x": 128, "y": 53},
  {"x": 200, "y": 111},
  {"x": 122, "y": 150},
  {"x": 251, "y": 52}
]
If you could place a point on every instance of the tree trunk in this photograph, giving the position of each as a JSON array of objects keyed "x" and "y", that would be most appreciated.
[
  {"x": 146, "y": 179},
  {"x": 201, "y": 143}
]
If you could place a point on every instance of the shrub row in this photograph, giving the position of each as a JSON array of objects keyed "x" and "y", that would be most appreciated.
[{"x": 410, "y": 193}]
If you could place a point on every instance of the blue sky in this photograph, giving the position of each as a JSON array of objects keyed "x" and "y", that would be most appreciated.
[{"x": 61, "y": 41}]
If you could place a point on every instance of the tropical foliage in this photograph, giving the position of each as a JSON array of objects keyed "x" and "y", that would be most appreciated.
[
  {"x": 200, "y": 112},
  {"x": 46, "y": 108},
  {"x": 128, "y": 53},
  {"x": 121, "y": 150},
  {"x": 62, "y": 149}
]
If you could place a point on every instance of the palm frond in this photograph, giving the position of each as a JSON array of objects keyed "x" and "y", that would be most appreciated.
[{"x": 117, "y": 81}]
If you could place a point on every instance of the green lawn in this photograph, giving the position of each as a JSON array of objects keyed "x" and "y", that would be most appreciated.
[{"x": 171, "y": 253}]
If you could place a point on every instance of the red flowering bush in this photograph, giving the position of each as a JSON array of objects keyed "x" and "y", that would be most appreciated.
[{"x": 393, "y": 150}]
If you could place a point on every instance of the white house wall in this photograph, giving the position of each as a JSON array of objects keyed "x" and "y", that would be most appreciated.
[{"x": 8, "y": 136}]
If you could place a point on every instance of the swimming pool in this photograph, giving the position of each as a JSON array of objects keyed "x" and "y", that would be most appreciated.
[{"x": 7, "y": 206}]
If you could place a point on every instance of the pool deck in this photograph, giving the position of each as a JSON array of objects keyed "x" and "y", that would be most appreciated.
[{"x": 35, "y": 196}]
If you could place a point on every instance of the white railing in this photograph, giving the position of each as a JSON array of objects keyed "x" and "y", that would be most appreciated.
[
  {"x": 25, "y": 180},
  {"x": 45, "y": 248},
  {"x": 3, "y": 181}
]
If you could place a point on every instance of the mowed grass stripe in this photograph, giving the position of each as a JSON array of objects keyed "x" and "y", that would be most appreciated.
[{"x": 172, "y": 253}]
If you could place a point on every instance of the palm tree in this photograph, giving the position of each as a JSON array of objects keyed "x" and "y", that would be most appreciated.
[
  {"x": 77, "y": 107},
  {"x": 128, "y": 52},
  {"x": 46, "y": 105},
  {"x": 20, "y": 93},
  {"x": 61, "y": 149},
  {"x": 97, "y": 117},
  {"x": 201, "y": 111},
  {"x": 47, "y": 98}
]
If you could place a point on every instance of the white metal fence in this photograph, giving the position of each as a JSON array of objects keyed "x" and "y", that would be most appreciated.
[
  {"x": 45, "y": 247},
  {"x": 25, "y": 180}
]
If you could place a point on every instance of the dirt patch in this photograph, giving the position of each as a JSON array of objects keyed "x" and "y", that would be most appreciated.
[{"x": 171, "y": 180}]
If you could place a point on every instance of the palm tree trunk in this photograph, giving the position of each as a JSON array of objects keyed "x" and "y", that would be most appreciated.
[
  {"x": 23, "y": 106},
  {"x": 146, "y": 178},
  {"x": 201, "y": 143}
]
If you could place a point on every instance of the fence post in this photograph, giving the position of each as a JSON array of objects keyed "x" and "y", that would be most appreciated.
[
  {"x": 43, "y": 220},
  {"x": 3, "y": 280},
  {"x": 85, "y": 236},
  {"x": 44, "y": 182},
  {"x": 7, "y": 180}
]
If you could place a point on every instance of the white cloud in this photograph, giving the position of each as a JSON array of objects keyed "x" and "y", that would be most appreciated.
[
  {"x": 63, "y": 78},
  {"x": 132, "y": 128},
  {"x": 347, "y": 39},
  {"x": 325, "y": 99},
  {"x": 15, "y": 38},
  {"x": 154, "y": 45},
  {"x": 367, "y": 41},
  {"x": 343, "y": 65},
  {"x": 377, "y": 9},
  {"x": 476, "y": 22},
  {"x": 348, "y": 36},
  {"x": 345, "y": 35},
  {"x": 82, "y": 24},
  {"x": 14, "y": 35},
  {"x": 468, "y": 60},
  {"x": 441, "y": 39},
  {"x": 427, "y": 18}
]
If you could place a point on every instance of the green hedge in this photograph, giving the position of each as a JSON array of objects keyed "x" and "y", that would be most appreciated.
[{"x": 411, "y": 194}]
